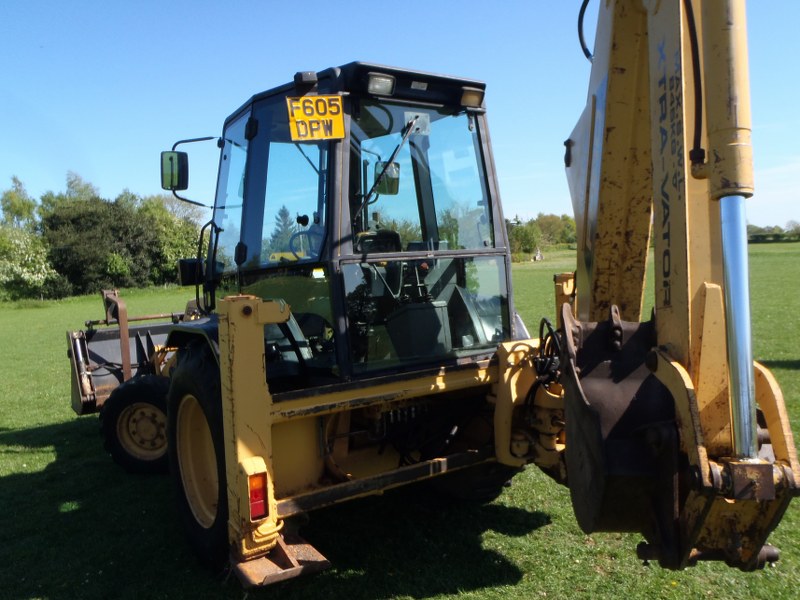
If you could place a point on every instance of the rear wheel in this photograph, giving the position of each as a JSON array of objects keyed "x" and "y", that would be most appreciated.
[
  {"x": 196, "y": 453},
  {"x": 133, "y": 423}
]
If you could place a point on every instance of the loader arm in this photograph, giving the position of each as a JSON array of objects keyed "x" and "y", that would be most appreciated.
[{"x": 671, "y": 429}]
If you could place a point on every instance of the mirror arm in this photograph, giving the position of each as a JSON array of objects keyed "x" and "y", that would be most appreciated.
[
  {"x": 190, "y": 141},
  {"x": 182, "y": 199}
]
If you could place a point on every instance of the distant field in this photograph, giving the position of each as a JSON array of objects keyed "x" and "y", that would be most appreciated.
[{"x": 73, "y": 525}]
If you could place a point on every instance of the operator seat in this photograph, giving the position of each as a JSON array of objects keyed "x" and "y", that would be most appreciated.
[{"x": 380, "y": 240}]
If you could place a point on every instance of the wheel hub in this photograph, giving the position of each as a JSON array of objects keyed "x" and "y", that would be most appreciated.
[{"x": 141, "y": 430}]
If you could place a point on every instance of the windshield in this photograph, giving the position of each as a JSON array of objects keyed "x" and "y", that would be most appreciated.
[
  {"x": 295, "y": 193},
  {"x": 425, "y": 284},
  {"x": 294, "y": 214},
  {"x": 432, "y": 192},
  {"x": 273, "y": 192}
]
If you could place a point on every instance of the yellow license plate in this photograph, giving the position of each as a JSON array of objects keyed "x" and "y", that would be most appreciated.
[{"x": 314, "y": 118}]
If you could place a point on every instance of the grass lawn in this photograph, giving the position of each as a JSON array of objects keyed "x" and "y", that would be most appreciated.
[{"x": 74, "y": 525}]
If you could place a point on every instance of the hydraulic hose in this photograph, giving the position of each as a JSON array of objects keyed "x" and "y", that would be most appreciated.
[{"x": 581, "y": 15}]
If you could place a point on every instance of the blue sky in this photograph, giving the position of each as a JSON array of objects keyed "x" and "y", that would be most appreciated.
[{"x": 100, "y": 88}]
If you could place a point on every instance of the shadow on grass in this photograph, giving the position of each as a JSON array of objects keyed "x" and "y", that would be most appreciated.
[
  {"x": 407, "y": 543},
  {"x": 782, "y": 364},
  {"x": 82, "y": 527}
]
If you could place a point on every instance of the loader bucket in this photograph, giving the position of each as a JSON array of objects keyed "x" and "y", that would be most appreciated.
[{"x": 110, "y": 351}]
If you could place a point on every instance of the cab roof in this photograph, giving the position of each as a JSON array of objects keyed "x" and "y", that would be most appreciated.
[{"x": 352, "y": 78}]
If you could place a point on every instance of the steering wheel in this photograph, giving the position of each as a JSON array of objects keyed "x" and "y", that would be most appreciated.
[{"x": 314, "y": 237}]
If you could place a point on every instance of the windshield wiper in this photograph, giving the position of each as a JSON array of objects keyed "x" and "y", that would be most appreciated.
[
  {"x": 409, "y": 128},
  {"x": 310, "y": 162}
]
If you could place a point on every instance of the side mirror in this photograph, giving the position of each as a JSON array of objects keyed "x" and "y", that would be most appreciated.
[
  {"x": 389, "y": 184},
  {"x": 192, "y": 271},
  {"x": 174, "y": 170}
]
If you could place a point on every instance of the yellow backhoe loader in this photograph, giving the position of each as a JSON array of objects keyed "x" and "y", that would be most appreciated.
[{"x": 354, "y": 327}]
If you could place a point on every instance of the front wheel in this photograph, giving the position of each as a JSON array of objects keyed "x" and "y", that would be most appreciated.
[
  {"x": 196, "y": 453},
  {"x": 133, "y": 423}
]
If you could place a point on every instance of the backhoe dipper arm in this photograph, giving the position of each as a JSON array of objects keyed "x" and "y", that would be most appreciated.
[{"x": 665, "y": 138}]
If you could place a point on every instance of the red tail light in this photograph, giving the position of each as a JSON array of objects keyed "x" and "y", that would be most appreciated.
[{"x": 258, "y": 496}]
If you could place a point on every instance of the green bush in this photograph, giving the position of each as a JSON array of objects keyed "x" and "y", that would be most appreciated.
[{"x": 24, "y": 268}]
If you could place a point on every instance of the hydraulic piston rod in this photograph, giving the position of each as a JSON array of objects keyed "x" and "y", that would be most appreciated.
[
  {"x": 737, "y": 323},
  {"x": 731, "y": 182}
]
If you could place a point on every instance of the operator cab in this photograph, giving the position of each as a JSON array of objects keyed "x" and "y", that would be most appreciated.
[{"x": 365, "y": 197}]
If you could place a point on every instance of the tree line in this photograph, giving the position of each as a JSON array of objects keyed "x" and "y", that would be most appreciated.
[
  {"x": 789, "y": 233},
  {"x": 545, "y": 231},
  {"x": 75, "y": 242}
]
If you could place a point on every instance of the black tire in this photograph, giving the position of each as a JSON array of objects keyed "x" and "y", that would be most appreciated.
[
  {"x": 196, "y": 453},
  {"x": 133, "y": 423}
]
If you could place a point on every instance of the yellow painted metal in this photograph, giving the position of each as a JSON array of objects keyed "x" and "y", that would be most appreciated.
[
  {"x": 688, "y": 274},
  {"x": 690, "y": 318},
  {"x": 284, "y": 439},
  {"x": 548, "y": 422},
  {"x": 517, "y": 379},
  {"x": 688, "y": 253},
  {"x": 164, "y": 360},
  {"x": 528, "y": 421},
  {"x": 738, "y": 528},
  {"x": 313, "y": 118},
  {"x": 727, "y": 96},
  {"x": 246, "y": 417},
  {"x": 565, "y": 294},
  {"x": 480, "y": 374},
  {"x": 769, "y": 399},
  {"x": 579, "y": 160},
  {"x": 711, "y": 375},
  {"x": 631, "y": 157},
  {"x": 629, "y": 162},
  {"x": 610, "y": 169},
  {"x": 298, "y": 464},
  {"x": 711, "y": 520}
]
